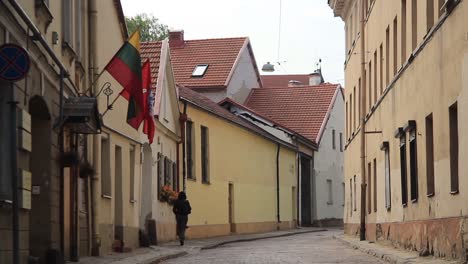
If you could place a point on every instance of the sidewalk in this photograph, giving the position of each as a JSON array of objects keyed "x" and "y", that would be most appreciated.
[
  {"x": 165, "y": 251},
  {"x": 389, "y": 253}
]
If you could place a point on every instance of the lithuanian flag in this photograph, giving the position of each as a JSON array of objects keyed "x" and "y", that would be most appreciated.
[{"x": 125, "y": 67}]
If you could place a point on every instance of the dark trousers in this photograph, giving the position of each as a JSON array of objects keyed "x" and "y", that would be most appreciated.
[{"x": 181, "y": 225}]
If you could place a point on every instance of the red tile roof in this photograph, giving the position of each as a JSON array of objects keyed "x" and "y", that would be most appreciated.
[
  {"x": 220, "y": 54},
  {"x": 207, "y": 104},
  {"x": 302, "y": 109},
  {"x": 152, "y": 51},
  {"x": 270, "y": 81}
]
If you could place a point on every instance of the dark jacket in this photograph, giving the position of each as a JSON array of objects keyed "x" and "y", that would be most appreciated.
[{"x": 182, "y": 207}]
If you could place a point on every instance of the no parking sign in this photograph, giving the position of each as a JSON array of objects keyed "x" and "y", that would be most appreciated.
[{"x": 14, "y": 62}]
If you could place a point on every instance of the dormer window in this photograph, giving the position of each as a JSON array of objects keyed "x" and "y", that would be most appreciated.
[{"x": 199, "y": 70}]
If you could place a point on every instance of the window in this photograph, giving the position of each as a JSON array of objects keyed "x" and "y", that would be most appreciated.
[
  {"x": 190, "y": 142},
  {"x": 354, "y": 193},
  {"x": 132, "y": 173},
  {"x": 387, "y": 55},
  {"x": 375, "y": 185},
  {"x": 395, "y": 46},
  {"x": 350, "y": 197},
  {"x": 369, "y": 188},
  {"x": 453, "y": 120},
  {"x": 174, "y": 177},
  {"x": 413, "y": 164},
  {"x": 370, "y": 86},
  {"x": 388, "y": 201},
  {"x": 440, "y": 5},
  {"x": 200, "y": 70},
  {"x": 354, "y": 109},
  {"x": 167, "y": 172},
  {"x": 403, "y": 31},
  {"x": 414, "y": 24},
  {"x": 430, "y": 155},
  {"x": 341, "y": 142},
  {"x": 430, "y": 14},
  {"x": 106, "y": 182},
  {"x": 404, "y": 183},
  {"x": 67, "y": 22},
  {"x": 381, "y": 68},
  {"x": 333, "y": 139},
  {"x": 160, "y": 172},
  {"x": 343, "y": 192},
  {"x": 375, "y": 77},
  {"x": 359, "y": 101},
  {"x": 347, "y": 120},
  {"x": 330, "y": 192},
  {"x": 205, "y": 160},
  {"x": 78, "y": 27}
]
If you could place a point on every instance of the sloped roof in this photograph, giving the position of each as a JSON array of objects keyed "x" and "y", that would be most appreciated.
[
  {"x": 219, "y": 54},
  {"x": 152, "y": 51},
  {"x": 207, "y": 104},
  {"x": 302, "y": 109},
  {"x": 283, "y": 80}
]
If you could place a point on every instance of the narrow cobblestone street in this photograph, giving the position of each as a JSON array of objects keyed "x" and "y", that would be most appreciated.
[{"x": 319, "y": 247}]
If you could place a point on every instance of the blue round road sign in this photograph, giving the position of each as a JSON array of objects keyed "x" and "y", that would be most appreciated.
[{"x": 14, "y": 62}]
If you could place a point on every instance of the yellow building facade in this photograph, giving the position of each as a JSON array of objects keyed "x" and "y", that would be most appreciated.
[
  {"x": 410, "y": 101},
  {"x": 232, "y": 173}
]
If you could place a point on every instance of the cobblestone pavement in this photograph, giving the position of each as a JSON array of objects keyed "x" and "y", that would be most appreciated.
[{"x": 317, "y": 247}]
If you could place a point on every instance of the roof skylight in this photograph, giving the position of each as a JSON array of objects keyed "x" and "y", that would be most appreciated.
[{"x": 199, "y": 70}]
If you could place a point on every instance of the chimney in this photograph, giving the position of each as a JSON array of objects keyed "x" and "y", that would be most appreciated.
[
  {"x": 294, "y": 83},
  {"x": 315, "y": 79},
  {"x": 176, "y": 38}
]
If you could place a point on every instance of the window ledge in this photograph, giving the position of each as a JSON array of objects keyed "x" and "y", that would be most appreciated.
[
  {"x": 329, "y": 203},
  {"x": 106, "y": 196},
  {"x": 43, "y": 13},
  {"x": 414, "y": 200},
  {"x": 207, "y": 183},
  {"x": 454, "y": 192},
  {"x": 133, "y": 201},
  {"x": 430, "y": 195},
  {"x": 192, "y": 179}
]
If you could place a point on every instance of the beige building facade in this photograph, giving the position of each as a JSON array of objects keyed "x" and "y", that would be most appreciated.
[{"x": 410, "y": 101}]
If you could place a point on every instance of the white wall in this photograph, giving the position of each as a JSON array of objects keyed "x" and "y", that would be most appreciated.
[
  {"x": 243, "y": 79},
  {"x": 329, "y": 166}
]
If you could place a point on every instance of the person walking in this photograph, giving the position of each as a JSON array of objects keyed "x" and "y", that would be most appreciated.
[{"x": 181, "y": 210}]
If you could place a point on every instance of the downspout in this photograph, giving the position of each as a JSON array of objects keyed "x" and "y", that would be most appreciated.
[
  {"x": 95, "y": 184},
  {"x": 362, "y": 233},
  {"x": 278, "y": 184},
  {"x": 183, "y": 120}
]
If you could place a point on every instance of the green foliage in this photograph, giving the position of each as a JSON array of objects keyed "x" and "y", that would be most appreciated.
[{"x": 150, "y": 28}]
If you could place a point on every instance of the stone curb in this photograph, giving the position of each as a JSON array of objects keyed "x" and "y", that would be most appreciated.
[
  {"x": 160, "y": 259},
  {"x": 259, "y": 238},
  {"x": 374, "y": 252}
]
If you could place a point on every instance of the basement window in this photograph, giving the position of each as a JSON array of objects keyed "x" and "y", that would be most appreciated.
[{"x": 200, "y": 70}]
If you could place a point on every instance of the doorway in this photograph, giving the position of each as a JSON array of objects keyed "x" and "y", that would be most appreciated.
[
  {"x": 118, "y": 202},
  {"x": 306, "y": 197},
  {"x": 231, "y": 208},
  {"x": 40, "y": 165}
]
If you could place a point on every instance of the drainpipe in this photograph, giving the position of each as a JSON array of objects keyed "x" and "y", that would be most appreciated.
[
  {"x": 95, "y": 183},
  {"x": 278, "y": 183},
  {"x": 362, "y": 233},
  {"x": 183, "y": 120}
]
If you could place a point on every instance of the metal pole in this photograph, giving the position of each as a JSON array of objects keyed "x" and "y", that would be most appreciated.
[
  {"x": 14, "y": 176},
  {"x": 362, "y": 233}
]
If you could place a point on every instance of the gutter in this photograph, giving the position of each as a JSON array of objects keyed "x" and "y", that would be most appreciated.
[
  {"x": 183, "y": 120},
  {"x": 362, "y": 232}
]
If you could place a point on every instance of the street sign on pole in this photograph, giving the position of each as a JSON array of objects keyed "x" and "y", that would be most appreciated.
[
  {"x": 14, "y": 62},
  {"x": 14, "y": 66}
]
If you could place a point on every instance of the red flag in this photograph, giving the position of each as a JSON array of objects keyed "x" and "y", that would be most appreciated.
[{"x": 148, "y": 124}]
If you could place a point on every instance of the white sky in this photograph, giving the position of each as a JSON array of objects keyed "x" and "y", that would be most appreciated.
[{"x": 309, "y": 30}]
